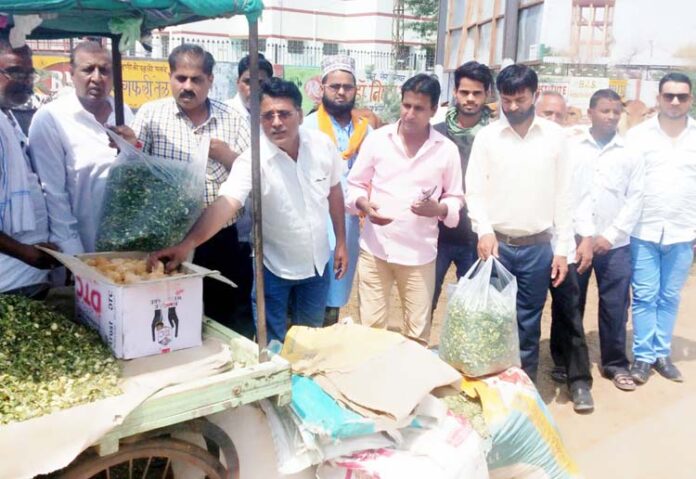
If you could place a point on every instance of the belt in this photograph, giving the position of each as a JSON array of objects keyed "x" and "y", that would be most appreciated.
[{"x": 538, "y": 238}]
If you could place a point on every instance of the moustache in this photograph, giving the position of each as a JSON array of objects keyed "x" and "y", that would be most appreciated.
[{"x": 187, "y": 94}]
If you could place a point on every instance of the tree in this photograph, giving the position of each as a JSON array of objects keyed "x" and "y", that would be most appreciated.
[{"x": 427, "y": 9}]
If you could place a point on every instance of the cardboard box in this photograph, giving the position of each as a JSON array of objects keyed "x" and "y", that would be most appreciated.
[{"x": 140, "y": 319}]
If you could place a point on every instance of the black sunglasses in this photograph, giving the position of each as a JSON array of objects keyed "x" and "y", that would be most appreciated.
[{"x": 681, "y": 97}]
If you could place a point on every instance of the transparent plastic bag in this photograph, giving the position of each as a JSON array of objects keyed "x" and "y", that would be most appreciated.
[
  {"x": 149, "y": 202},
  {"x": 479, "y": 335}
]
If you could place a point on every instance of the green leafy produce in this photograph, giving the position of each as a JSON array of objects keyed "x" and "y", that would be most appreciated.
[
  {"x": 478, "y": 340},
  {"x": 462, "y": 405},
  {"x": 147, "y": 208},
  {"x": 49, "y": 363}
]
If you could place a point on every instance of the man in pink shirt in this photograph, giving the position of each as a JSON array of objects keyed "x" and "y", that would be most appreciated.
[{"x": 416, "y": 181}]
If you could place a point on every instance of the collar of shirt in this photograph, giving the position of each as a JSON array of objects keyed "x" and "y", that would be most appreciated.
[
  {"x": 237, "y": 104},
  {"x": 213, "y": 115},
  {"x": 654, "y": 124},
  {"x": 616, "y": 142},
  {"x": 76, "y": 107},
  {"x": 538, "y": 125},
  {"x": 434, "y": 138}
]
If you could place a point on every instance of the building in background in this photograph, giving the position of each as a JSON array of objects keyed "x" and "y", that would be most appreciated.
[
  {"x": 577, "y": 46},
  {"x": 294, "y": 35}
]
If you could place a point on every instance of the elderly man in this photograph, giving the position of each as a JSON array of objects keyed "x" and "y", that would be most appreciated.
[
  {"x": 662, "y": 241},
  {"x": 70, "y": 149},
  {"x": 173, "y": 128},
  {"x": 407, "y": 178},
  {"x": 337, "y": 118},
  {"x": 301, "y": 172},
  {"x": 518, "y": 193},
  {"x": 23, "y": 217},
  {"x": 567, "y": 343},
  {"x": 462, "y": 121}
]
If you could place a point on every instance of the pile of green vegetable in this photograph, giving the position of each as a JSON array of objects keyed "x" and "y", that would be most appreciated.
[
  {"x": 479, "y": 340},
  {"x": 462, "y": 405},
  {"x": 49, "y": 363},
  {"x": 147, "y": 208}
]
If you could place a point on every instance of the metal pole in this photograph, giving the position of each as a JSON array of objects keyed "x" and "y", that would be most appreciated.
[
  {"x": 254, "y": 123},
  {"x": 118, "y": 78}
]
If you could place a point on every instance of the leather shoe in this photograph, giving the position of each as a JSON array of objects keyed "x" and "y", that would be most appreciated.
[
  {"x": 640, "y": 371},
  {"x": 582, "y": 399},
  {"x": 668, "y": 370},
  {"x": 558, "y": 375}
]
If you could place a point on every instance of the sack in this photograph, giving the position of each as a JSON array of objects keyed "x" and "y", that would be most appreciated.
[
  {"x": 149, "y": 202},
  {"x": 479, "y": 335}
]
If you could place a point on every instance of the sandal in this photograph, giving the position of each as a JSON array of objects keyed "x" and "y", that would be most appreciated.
[{"x": 624, "y": 381}]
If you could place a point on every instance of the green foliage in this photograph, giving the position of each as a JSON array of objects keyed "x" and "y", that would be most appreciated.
[{"x": 423, "y": 8}]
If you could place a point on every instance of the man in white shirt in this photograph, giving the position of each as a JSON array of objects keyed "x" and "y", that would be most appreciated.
[
  {"x": 662, "y": 241},
  {"x": 240, "y": 102},
  {"x": 518, "y": 192},
  {"x": 70, "y": 149},
  {"x": 301, "y": 172},
  {"x": 567, "y": 342},
  {"x": 23, "y": 219},
  {"x": 609, "y": 177}
]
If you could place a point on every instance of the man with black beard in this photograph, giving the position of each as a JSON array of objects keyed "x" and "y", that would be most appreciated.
[
  {"x": 347, "y": 129},
  {"x": 518, "y": 193},
  {"x": 463, "y": 120}
]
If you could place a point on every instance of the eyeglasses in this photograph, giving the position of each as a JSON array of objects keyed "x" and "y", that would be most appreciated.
[
  {"x": 681, "y": 97},
  {"x": 19, "y": 75},
  {"x": 283, "y": 115},
  {"x": 247, "y": 81},
  {"x": 347, "y": 87}
]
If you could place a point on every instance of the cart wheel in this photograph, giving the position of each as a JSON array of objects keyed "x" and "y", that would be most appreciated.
[{"x": 147, "y": 459}]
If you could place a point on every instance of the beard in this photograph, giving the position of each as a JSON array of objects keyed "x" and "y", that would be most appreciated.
[
  {"x": 337, "y": 109},
  {"x": 517, "y": 117},
  {"x": 464, "y": 112}
]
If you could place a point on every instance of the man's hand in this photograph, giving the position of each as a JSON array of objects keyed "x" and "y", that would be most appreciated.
[
  {"x": 172, "y": 257},
  {"x": 37, "y": 258},
  {"x": 124, "y": 132},
  {"x": 559, "y": 270},
  {"x": 370, "y": 209},
  {"x": 583, "y": 254},
  {"x": 429, "y": 208},
  {"x": 601, "y": 245},
  {"x": 487, "y": 246},
  {"x": 222, "y": 153},
  {"x": 340, "y": 260}
]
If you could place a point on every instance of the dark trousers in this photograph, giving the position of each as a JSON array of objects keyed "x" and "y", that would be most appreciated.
[
  {"x": 568, "y": 345},
  {"x": 531, "y": 265},
  {"x": 613, "y": 273},
  {"x": 229, "y": 306},
  {"x": 462, "y": 255}
]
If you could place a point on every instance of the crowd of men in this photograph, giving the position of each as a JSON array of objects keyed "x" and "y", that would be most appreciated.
[{"x": 552, "y": 204}]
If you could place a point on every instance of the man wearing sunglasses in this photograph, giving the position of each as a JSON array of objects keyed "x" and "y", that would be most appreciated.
[
  {"x": 301, "y": 172},
  {"x": 23, "y": 217},
  {"x": 337, "y": 117},
  {"x": 662, "y": 241}
]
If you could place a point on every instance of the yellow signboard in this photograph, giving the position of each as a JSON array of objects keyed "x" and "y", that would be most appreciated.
[{"x": 143, "y": 80}]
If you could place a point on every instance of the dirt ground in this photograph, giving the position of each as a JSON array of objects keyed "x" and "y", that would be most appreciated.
[{"x": 645, "y": 434}]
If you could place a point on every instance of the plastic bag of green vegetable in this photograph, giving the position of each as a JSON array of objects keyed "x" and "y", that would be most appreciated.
[
  {"x": 479, "y": 335},
  {"x": 149, "y": 202}
]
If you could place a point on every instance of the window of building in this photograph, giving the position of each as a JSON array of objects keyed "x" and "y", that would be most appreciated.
[
  {"x": 164, "y": 46},
  {"x": 330, "y": 49},
  {"x": 529, "y": 33},
  {"x": 429, "y": 58},
  {"x": 296, "y": 46},
  {"x": 245, "y": 45},
  {"x": 475, "y": 31}
]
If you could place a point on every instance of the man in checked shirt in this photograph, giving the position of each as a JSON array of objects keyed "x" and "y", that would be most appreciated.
[{"x": 173, "y": 128}]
